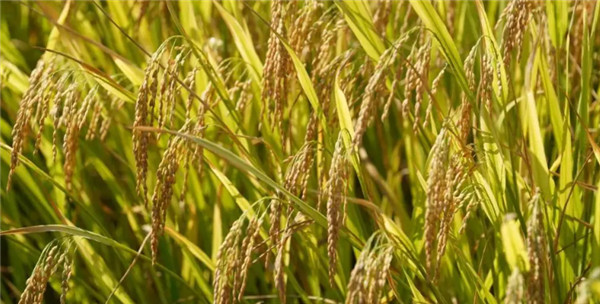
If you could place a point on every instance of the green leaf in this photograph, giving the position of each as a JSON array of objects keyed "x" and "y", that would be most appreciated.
[
  {"x": 233, "y": 191},
  {"x": 243, "y": 42},
  {"x": 358, "y": 16},
  {"x": 132, "y": 72},
  {"x": 93, "y": 260},
  {"x": 192, "y": 248},
  {"x": 539, "y": 163},
  {"x": 434, "y": 23},
  {"x": 494, "y": 50},
  {"x": 596, "y": 232},
  {"x": 345, "y": 122},
  {"x": 513, "y": 245},
  {"x": 306, "y": 84}
]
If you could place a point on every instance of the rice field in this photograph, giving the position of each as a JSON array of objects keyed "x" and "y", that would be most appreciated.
[{"x": 300, "y": 151}]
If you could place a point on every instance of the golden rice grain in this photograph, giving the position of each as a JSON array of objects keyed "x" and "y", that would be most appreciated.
[
  {"x": 369, "y": 274},
  {"x": 277, "y": 68},
  {"x": 227, "y": 256},
  {"x": 302, "y": 26},
  {"x": 115, "y": 106},
  {"x": 48, "y": 91},
  {"x": 71, "y": 137},
  {"x": 336, "y": 190},
  {"x": 415, "y": 77},
  {"x": 252, "y": 236},
  {"x": 390, "y": 99},
  {"x": 275, "y": 210},
  {"x": 92, "y": 131},
  {"x": 190, "y": 81},
  {"x": 454, "y": 175},
  {"x": 472, "y": 201},
  {"x": 516, "y": 14},
  {"x": 245, "y": 96},
  {"x": 299, "y": 222},
  {"x": 165, "y": 180},
  {"x": 58, "y": 110},
  {"x": 436, "y": 188},
  {"x": 278, "y": 271},
  {"x": 374, "y": 89},
  {"x": 24, "y": 115},
  {"x": 146, "y": 97},
  {"x": 381, "y": 16},
  {"x": 86, "y": 105},
  {"x": 66, "y": 276},
  {"x": 536, "y": 251},
  {"x": 514, "y": 288},
  {"x": 53, "y": 256},
  {"x": 487, "y": 77}
]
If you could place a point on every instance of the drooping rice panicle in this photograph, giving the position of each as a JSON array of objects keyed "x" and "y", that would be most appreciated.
[
  {"x": 368, "y": 276},
  {"x": 396, "y": 158},
  {"x": 516, "y": 16},
  {"x": 536, "y": 251},
  {"x": 374, "y": 89},
  {"x": 514, "y": 290},
  {"x": 436, "y": 189},
  {"x": 277, "y": 67},
  {"x": 335, "y": 192},
  {"x": 145, "y": 99},
  {"x": 30, "y": 99},
  {"x": 71, "y": 138}
]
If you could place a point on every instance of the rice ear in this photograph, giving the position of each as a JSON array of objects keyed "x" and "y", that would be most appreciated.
[
  {"x": 368, "y": 277},
  {"x": 277, "y": 68},
  {"x": 31, "y": 98},
  {"x": 336, "y": 190},
  {"x": 537, "y": 251}
]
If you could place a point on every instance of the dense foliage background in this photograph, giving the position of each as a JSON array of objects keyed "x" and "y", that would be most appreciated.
[{"x": 300, "y": 151}]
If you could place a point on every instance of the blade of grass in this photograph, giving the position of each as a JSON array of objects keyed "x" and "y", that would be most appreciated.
[{"x": 358, "y": 16}]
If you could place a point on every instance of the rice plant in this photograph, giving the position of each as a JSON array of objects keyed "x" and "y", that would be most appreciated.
[{"x": 300, "y": 151}]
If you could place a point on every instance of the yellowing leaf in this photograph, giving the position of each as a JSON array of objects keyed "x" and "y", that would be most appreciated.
[
  {"x": 132, "y": 72},
  {"x": 358, "y": 16},
  {"x": 514, "y": 247}
]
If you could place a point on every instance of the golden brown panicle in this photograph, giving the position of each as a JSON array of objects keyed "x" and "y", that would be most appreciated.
[
  {"x": 178, "y": 149},
  {"x": 145, "y": 98},
  {"x": 537, "y": 252},
  {"x": 71, "y": 138},
  {"x": 436, "y": 189},
  {"x": 30, "y": 99},
  {"x": 277, "y": 67},
  {"x": 415, "y": 81},
  {"x": 368, "y": 276},
  {"x": 516, "y": 14},
  {"x": 514, "y": 288},
  {"x": 56, "y": 254},
  {"x": 374, "y": 91},
  {"x": 335, "y": 192}
]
